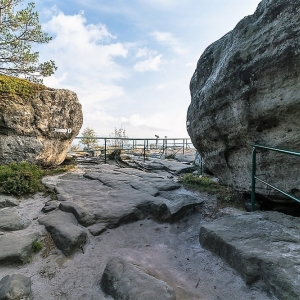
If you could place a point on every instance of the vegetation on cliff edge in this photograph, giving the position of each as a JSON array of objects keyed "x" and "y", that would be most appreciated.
[
  {"x": 24, "y": 178},
  {"x": 20, "y": 87}
]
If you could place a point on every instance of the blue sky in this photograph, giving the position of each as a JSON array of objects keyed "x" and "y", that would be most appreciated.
[{"x": 130, "y": 61}]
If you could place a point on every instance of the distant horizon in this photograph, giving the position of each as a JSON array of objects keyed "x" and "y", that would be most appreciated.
[{"x": 130, "y": 64}]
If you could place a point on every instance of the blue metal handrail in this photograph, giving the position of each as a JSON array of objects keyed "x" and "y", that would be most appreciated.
[{"x": 254, "y": 177}]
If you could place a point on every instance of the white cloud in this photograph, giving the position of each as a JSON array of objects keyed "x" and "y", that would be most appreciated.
[
  {"x": 106, "y": 62},
  {"x": 154, "y": 122},
  {"x": 144, "y": 52},
  {"x": 84, "y": 54},
  {"x": 150, "y": 64},
  {"x": 167, "y": 38}
]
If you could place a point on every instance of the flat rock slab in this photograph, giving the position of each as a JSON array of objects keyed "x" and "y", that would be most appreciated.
[
  {"x": 63, "y": 229},
  {"x": 186, "y": 158},
  {"x": 7, "y": 201},
  {"x": 16, "y": 247},
  {"x": 180, "y": 202},
  {"x": 125, "y": 280},
  {"x": 169, "y": 165},
  {"x": 260, "y": 246},
  {"x": 49, "y": 206},
  {"x": 11, "y": 220},
  {"x": 108, "y": 196},
  {"x": 16, "y": 286}
]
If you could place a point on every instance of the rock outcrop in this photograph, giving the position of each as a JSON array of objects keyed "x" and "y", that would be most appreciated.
[
  {"x": 118, "y": 196},
  {"x": 125, "y": 280},
  {"x": 16, "y": 248},
  {"x": 16, "y": 286},
  {"x": 11, "y": 220},
  {"x": 64, "y": 230},
  {"x": 245, "y": 90},
  {"x": 260, "y": 246},
  {"x": 38, "y": 127},
  {"x": 157, "y": 256}
]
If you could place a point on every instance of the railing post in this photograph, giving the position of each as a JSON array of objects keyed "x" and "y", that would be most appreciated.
[
  {"x": 183, "y": 147},
  {"x": 144, "y": 150},
  {"x": 166, "y": 153},
  {"x": 105, "y": 150},
  {"x": 201, "y": 165},
  {"x": 253, "y": 173}
]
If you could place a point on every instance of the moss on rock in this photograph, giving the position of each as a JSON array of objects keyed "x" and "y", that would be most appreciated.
[{"x": 20, "y": 87}]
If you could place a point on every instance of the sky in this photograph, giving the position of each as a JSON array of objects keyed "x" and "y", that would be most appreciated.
[{"x": 130, "y": 61}]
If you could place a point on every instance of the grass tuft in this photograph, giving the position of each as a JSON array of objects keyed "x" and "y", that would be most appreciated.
[
  {"x": 37, "y": 246},
  {"x": 225, "y": 196}
]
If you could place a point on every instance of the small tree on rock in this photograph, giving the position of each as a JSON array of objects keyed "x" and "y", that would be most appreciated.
[
  {"x": 89, "y": 139},
  {"x": 19, "y": 30},
  {"x": 119, "y": 138}
]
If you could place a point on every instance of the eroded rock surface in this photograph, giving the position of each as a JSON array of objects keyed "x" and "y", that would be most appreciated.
[
  {"x": 166, "y": 250},
  {"x": 260, "y": 246},
  {"x": 38, "y": 129},
  {"x": 11, "y": 220},
  {"x": 108, "y": 196},
  {"x": 125, "y": 280},
  {"x": 8, "y": 201},
  {"x": 64, "y": 231},
  {"x": 182, "y": 166},
  {"x": 246, "y": 89},
  {"x": 16, "y": 286},
  {"x": 16, "y": 248}
]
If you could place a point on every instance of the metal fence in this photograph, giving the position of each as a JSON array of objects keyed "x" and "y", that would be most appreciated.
[
  {"x": 254, "y": 177},
  {"x": 160, "y": 146}
]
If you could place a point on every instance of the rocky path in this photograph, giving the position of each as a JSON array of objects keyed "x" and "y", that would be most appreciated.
[{"x": 111, "y": 233}]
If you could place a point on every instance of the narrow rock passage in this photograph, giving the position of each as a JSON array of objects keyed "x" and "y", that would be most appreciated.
[{"x": 157, "y": 234}]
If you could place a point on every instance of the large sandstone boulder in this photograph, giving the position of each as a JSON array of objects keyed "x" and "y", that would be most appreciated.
[
  {"x": 37, "y": 126},
  {"x": 245, "y": 89}
]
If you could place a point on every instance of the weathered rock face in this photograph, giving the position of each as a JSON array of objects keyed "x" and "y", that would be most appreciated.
[
  {"x": 16, "y": 286},
  {"x": 259, "y": 247},
  {"x": 246, "y": 89},
  {"x": 125, "y": 280},
  {"x": 40, "y": 128}
]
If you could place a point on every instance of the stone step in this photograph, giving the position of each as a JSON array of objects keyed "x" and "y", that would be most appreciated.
[{"x": 259, "y": 246}]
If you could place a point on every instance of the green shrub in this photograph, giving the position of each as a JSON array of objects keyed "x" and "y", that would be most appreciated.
[
  {"x": 37, "y": 246},
  {"x": 20, "y": 178},
  {"x": 25, "y": 178}
]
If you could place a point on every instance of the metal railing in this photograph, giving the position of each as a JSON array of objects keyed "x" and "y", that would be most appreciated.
[
  {"x": 143, "y": 144},
  {"x": 254, "y": 177}
]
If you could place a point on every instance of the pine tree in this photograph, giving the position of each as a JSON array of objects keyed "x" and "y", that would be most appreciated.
[{"x": 19, "y": 30}]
